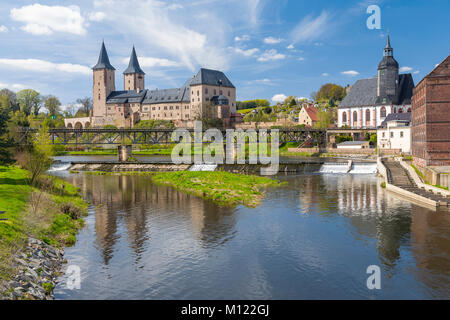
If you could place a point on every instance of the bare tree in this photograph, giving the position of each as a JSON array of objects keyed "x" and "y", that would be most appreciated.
[{"x": 86, "y": 104}]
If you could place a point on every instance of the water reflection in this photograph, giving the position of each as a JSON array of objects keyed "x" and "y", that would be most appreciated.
[{"x": 313, "y": 238}]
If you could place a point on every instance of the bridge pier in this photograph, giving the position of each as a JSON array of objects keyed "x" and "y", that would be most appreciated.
[{"x": 124, "y": 152}]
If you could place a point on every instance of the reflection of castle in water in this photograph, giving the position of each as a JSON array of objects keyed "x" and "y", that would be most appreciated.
[{"x": 135, "y": 203}]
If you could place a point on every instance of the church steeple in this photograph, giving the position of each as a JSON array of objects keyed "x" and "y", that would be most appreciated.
[
  {"x": 103, "y": 60},
  {"x": 387, "y": 75},
  {"x": 388, "y": 51}
]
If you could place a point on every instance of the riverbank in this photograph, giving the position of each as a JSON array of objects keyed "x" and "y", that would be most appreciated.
[{"x": 51, "y": 214}]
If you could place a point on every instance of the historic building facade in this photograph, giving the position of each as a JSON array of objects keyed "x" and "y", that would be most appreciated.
[
  {"x": 369, "y": 101},
  {"x": 430, "y": 128},
  {"x": 209, "y": 93}
]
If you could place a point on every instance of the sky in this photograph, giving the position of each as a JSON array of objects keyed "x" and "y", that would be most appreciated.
[{"x": 268, "y": 49}]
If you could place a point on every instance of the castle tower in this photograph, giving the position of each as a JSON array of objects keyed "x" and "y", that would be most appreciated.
[
  {"x": 387, "y": 75},
  {"x": 104, "y": 83},
  {"x": 133, "y": 76}
]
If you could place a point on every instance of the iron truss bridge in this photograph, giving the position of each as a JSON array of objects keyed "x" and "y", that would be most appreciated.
[{"x": 151, "y": 136}]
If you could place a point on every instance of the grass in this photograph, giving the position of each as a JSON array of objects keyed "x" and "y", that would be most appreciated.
[
  {"x": 33, "y": 212},
  {"x": 224, "y": 188},
  {"x": 419, "y": 173},
  {"x": 383, "y": 185}
]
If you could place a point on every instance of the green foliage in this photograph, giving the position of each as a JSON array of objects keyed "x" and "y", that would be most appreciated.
[
  {"x": 383, "y": 185},
  {"x": 330, "y": 91},
  {"x": 249, "y": 104},
  {"x": 343, "y": 138},
  {"x": 155, "y": 124},
  {"x": 53, "y": 105},
  {"x": 373, "y": 139},
  {"x": 6, "y": 143},
  {"x": 30, "y": 101}
]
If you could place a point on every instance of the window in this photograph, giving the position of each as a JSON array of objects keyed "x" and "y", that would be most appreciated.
[
  {"x": 401, "y": 134},
  {"x": 392, "y": 134},
  {"x": 355, "y": 116},
  {"x": 165, "y": 108},
  {"x": 383, "y": 135},
  {"x": 215, "y": 92},
  {"x": 206, "y": 90},
  {"x": 198, "y": 93},
  {"x": 344, "y": 117},
  {"x": 383, "y": 112},
  {"x": 400, "y": 110},
  {"x": 367, "y": 115},
  {"x": 384, "y": 100},
  {"x": 229, "y": 93}
]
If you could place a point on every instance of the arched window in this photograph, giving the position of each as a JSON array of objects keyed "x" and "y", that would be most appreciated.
[
  {"x": 383, "y": 112},
  {"x": 355, "y": 116},
  {"x": 400, "y": 110},
  {"x": 367, "y": 115},
  {"x": 409, "y": 109},
  {"x": 344, "y": 117},
  {"x": 395, "y": 110}
]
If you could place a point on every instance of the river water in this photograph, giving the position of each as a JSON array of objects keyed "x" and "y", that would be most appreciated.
[{"x": 311, "y": 239}]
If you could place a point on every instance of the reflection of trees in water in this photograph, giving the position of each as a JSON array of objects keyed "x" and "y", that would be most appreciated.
[
  {"x": 430, "y": 245},
  {"x": 141, "y": 205}
]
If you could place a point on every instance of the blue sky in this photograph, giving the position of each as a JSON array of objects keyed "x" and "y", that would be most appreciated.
[{"x": 267, "y": 48}]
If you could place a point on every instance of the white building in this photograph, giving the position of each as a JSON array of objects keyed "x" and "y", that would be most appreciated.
[
  {"x": 369, "y": 101},
  {"x": 354, "y": 145},
  {"x": 395, "y": 133}
]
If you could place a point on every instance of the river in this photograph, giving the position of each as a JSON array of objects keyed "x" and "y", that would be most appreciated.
[{"x": 311, "y": 239}]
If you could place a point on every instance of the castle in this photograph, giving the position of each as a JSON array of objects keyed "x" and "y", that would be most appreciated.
[
  {"x": 370, "y": 100},
  {"x": 209, "y": 93}
]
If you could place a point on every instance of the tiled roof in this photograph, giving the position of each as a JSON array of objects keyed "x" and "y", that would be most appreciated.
[
  {"x": 211, "y": 77},
  {"x": 133, "y": 66},
  {"x": 405, "y": 116},
  {"x": 312, "y": 112},
  {"x": 364, "y": 93},
  {"x": 131, "y": 96},
  {"x": 103, "y": 60}
]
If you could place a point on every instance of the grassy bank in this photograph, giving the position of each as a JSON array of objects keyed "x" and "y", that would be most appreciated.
[{"x": 51, "y": 213}]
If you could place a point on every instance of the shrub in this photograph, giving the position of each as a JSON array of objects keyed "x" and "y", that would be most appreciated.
[{"x": 71, "y": 210}]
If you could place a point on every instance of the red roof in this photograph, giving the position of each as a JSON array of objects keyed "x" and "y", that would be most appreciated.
[{"x": 312, "y": 112}]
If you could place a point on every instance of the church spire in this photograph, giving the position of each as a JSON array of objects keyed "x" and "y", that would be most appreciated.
[
  {"x": 388, "y": 43},
  {"x": 133, "y": 66},
  {"x": 103, "y": 60}
]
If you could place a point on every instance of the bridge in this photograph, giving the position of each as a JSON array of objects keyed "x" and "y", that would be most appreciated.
[{"x": 67, "y": 136}]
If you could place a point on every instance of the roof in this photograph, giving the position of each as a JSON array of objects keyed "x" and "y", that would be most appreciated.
[
  {"x": 131, "y": 96},
  {"x": 167, "y": 95},
  {"x": 352, "y": 143},
  {"x": 405, "y": 117},
  {"x": 103, "y": 60},
  {"x": 312, "y": 112},
  {"x": 364, "y": 93},
  {"x": 211, "y": 77},
  {"x": 133, "y": 66}
]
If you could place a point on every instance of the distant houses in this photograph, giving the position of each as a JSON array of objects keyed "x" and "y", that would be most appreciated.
[{"x": 308, "y": 115}]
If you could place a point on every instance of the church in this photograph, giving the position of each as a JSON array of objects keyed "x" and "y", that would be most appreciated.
[
  {"x": 209, "y": 93},
  {"x": 369, "y": 101}
]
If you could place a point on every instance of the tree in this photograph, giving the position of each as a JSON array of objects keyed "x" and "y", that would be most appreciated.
[
  {"x": 313, "y": 96},
  {"x": 69, "y": 111},
  {"x": 86, "y": 105},
  {"x": 39, "y": 159},
  {"x": 330, "y": 91},
  {"x": 8, "y": 100},
  {"x": 5, "y": 142},
  {"x": 30, "y": 101},
  {"x": 53, "y": 105}
]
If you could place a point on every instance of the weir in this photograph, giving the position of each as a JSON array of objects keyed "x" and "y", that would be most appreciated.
[{"x": 351, "y": 167}]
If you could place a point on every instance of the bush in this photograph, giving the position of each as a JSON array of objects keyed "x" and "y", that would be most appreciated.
[{"x": 71, "y": 210}]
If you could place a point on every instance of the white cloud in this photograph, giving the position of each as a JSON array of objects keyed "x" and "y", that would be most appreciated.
[
  {"x": 290, "y": 47},
  {"x": 301, "y": 59},
  {"x": 310, "y": 29},
  {"x": 416, "y": 72},
  {"x": 405, "y": 69},
  {"x": 97, "y": 16},
  {"x": 165, "y": 32},
  {"x": 242, "y": 38},
  {"x": 325, "y": 74},
  {"x": 175, "y": 6},
  {"x": 271, "y": 55},
  {"x": 36, "y": 65},
  {"x": 44, "y": 20},
  {"x": 13, "y": 86},
  {"x": 150, "y": 62},
  {"x": 272, "y": 40},
  {"x": 279, "y": 97},
  {"x": 264, "y": 81},
  {"x": 248, "y": 52},
  {"x": 3, "y": 29},
  {"x": 350, "y": 73}
]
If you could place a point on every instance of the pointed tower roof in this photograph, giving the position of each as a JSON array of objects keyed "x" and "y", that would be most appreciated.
[
  {"x": 133, "y": 66},
  {"x": 388, "y": 43},
  {"x": 103, "y": 60}
]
